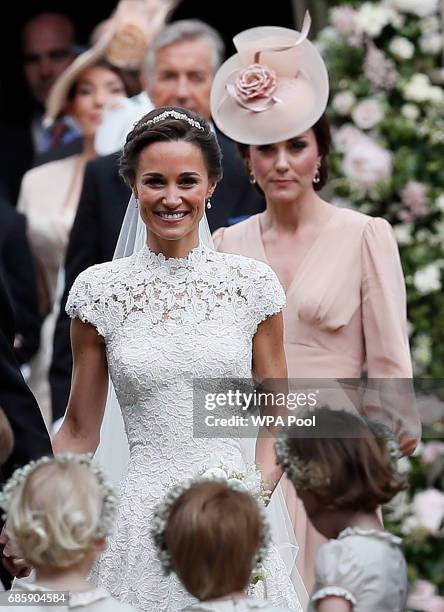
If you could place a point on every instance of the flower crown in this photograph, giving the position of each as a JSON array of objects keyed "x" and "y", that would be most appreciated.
[
  {"x": 308, "y": 475},
  {"x": 163, "y": 510},
  {"x": 303, "y": 474},
  {"x": 175, "y": 115},
  {"x": 109, "y": 505}
]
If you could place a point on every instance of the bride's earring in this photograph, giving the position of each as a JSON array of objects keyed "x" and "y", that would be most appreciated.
[
  {"x": 208, "y": 202},
  {"x": 136, "y": 201}
]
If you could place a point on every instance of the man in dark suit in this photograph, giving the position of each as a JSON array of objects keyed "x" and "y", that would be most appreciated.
[
  {"x": 30, "y": 434},
  {"x": 17, "y": 266},
  {"x": 178, "y": 71}
]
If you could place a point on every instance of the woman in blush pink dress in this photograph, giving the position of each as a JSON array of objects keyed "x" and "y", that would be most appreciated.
[{"x": 341, "y": 271}]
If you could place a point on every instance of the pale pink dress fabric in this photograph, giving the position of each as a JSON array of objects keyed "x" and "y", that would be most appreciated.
[{"x": 346, "y": 307}]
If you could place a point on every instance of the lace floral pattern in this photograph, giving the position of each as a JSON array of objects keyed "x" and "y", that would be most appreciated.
[{"x": 166, "y": 322}]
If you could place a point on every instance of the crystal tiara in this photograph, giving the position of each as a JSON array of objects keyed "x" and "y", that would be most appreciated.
[{"x": 175, "y": 115}]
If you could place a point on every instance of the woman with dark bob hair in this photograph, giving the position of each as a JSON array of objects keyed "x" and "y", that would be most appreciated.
[
  {"x": 171, "y": 313},
  {"x": 340, "y": 269}
]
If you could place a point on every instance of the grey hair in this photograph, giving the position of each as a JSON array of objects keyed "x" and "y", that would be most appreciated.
[{"x": 179, "y": 31}]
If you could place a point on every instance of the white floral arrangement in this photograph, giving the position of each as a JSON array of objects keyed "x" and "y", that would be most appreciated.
[
  {"x": 248, "y": 481},
  {"x": 417, "y": 516},
  {"x": 385, "y": 61}
]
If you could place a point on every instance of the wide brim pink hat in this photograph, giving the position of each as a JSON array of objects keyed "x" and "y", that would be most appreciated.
[{"x": 274, "y": 88}]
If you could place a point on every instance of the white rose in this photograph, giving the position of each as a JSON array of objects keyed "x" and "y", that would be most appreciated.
[
  {"x": 366, "y": 163},
  {"x": 429, "y": 25},
  {"x": 404, "y": 466},
  {"x": 237, "y": 484},
  {"x": 409, "y": 524},
  {"x": 428, "y": 509},
  {"x": 410, "y": 111},
  {"x": 367, "y": 114},
  {"x": 401, "y": 48},
  {"x": 422, "y": 351},
  {"x": 436, "y": 94},
  {"x": 215, "y": 473},
  {"x": 428, "y": 279},
  {"x": 439, "y": 202},
  {"x": 431, "y": 43},
  {"x": 343, "y": 102},
  {"x": 253, "y": 481},
  {"x": 373, "y": 18},
  {"x": 403, "y": 233},
  {"x": 424, "y": 8},
  {"x": 420, "y": 89}
]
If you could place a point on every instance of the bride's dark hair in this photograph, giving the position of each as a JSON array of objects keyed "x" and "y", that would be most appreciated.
[{"x": 170, "y": 124}]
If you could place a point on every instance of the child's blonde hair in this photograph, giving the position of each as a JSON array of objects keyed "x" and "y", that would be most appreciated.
[{"x": 57, "y": 508}]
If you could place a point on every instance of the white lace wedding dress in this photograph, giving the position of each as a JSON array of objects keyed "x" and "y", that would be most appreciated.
[{"x": 165, "y": 322}]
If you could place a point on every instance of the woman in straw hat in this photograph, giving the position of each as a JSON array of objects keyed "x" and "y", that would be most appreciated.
[{"x": 340, "y": 269}]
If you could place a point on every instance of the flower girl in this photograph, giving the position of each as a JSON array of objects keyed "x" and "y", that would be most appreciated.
[
  {"x": 213, "y": 536},
  {"x": 59, "y": 511},
  {"x": 342, "y": 480}
]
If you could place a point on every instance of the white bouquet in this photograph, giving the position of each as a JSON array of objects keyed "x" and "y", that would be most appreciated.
[{"x": 249, "y": 480}]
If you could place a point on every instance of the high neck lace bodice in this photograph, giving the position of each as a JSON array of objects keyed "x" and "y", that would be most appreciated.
[{"x": 193, "y": 260}]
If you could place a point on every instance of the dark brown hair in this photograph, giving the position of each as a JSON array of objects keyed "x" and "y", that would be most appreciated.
[
  {"x": 322, "y": 134},
  {"x": 102, "y": 63},
  {"x": 213, "y": 534},
  {"x": 170, "y": 129},
  {"x": 357, "y": 462}
]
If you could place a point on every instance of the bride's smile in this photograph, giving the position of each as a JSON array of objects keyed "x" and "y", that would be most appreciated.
[{"x": 172, "y": 185}]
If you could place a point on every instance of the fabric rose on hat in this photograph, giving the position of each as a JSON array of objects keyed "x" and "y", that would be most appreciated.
[
  {"x": 256, "y": 81},
  {"x": 253, "y": 86}
]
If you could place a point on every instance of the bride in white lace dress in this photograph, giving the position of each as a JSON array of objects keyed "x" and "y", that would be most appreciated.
[{"x": 154, "y": 321}]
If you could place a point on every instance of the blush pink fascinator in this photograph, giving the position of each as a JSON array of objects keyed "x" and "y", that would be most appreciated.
[{"x": 274, "y": 88}]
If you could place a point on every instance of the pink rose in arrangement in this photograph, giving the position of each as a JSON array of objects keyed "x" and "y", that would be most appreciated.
[
  {"x": 423, "y": 597},
  {"x": 255, "y": 81},
  {"x": 428, "y": 508},
  {"x": 380, "y": 70},
  {"x": 366, "y": 163},
  {"x": 346, "y": 136},
  {"x": 367, "y": 114},
  {"x": 414, "y": 197},
  {"x": 344, "y": 20},
  {"x": 431, "y": 451}
]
